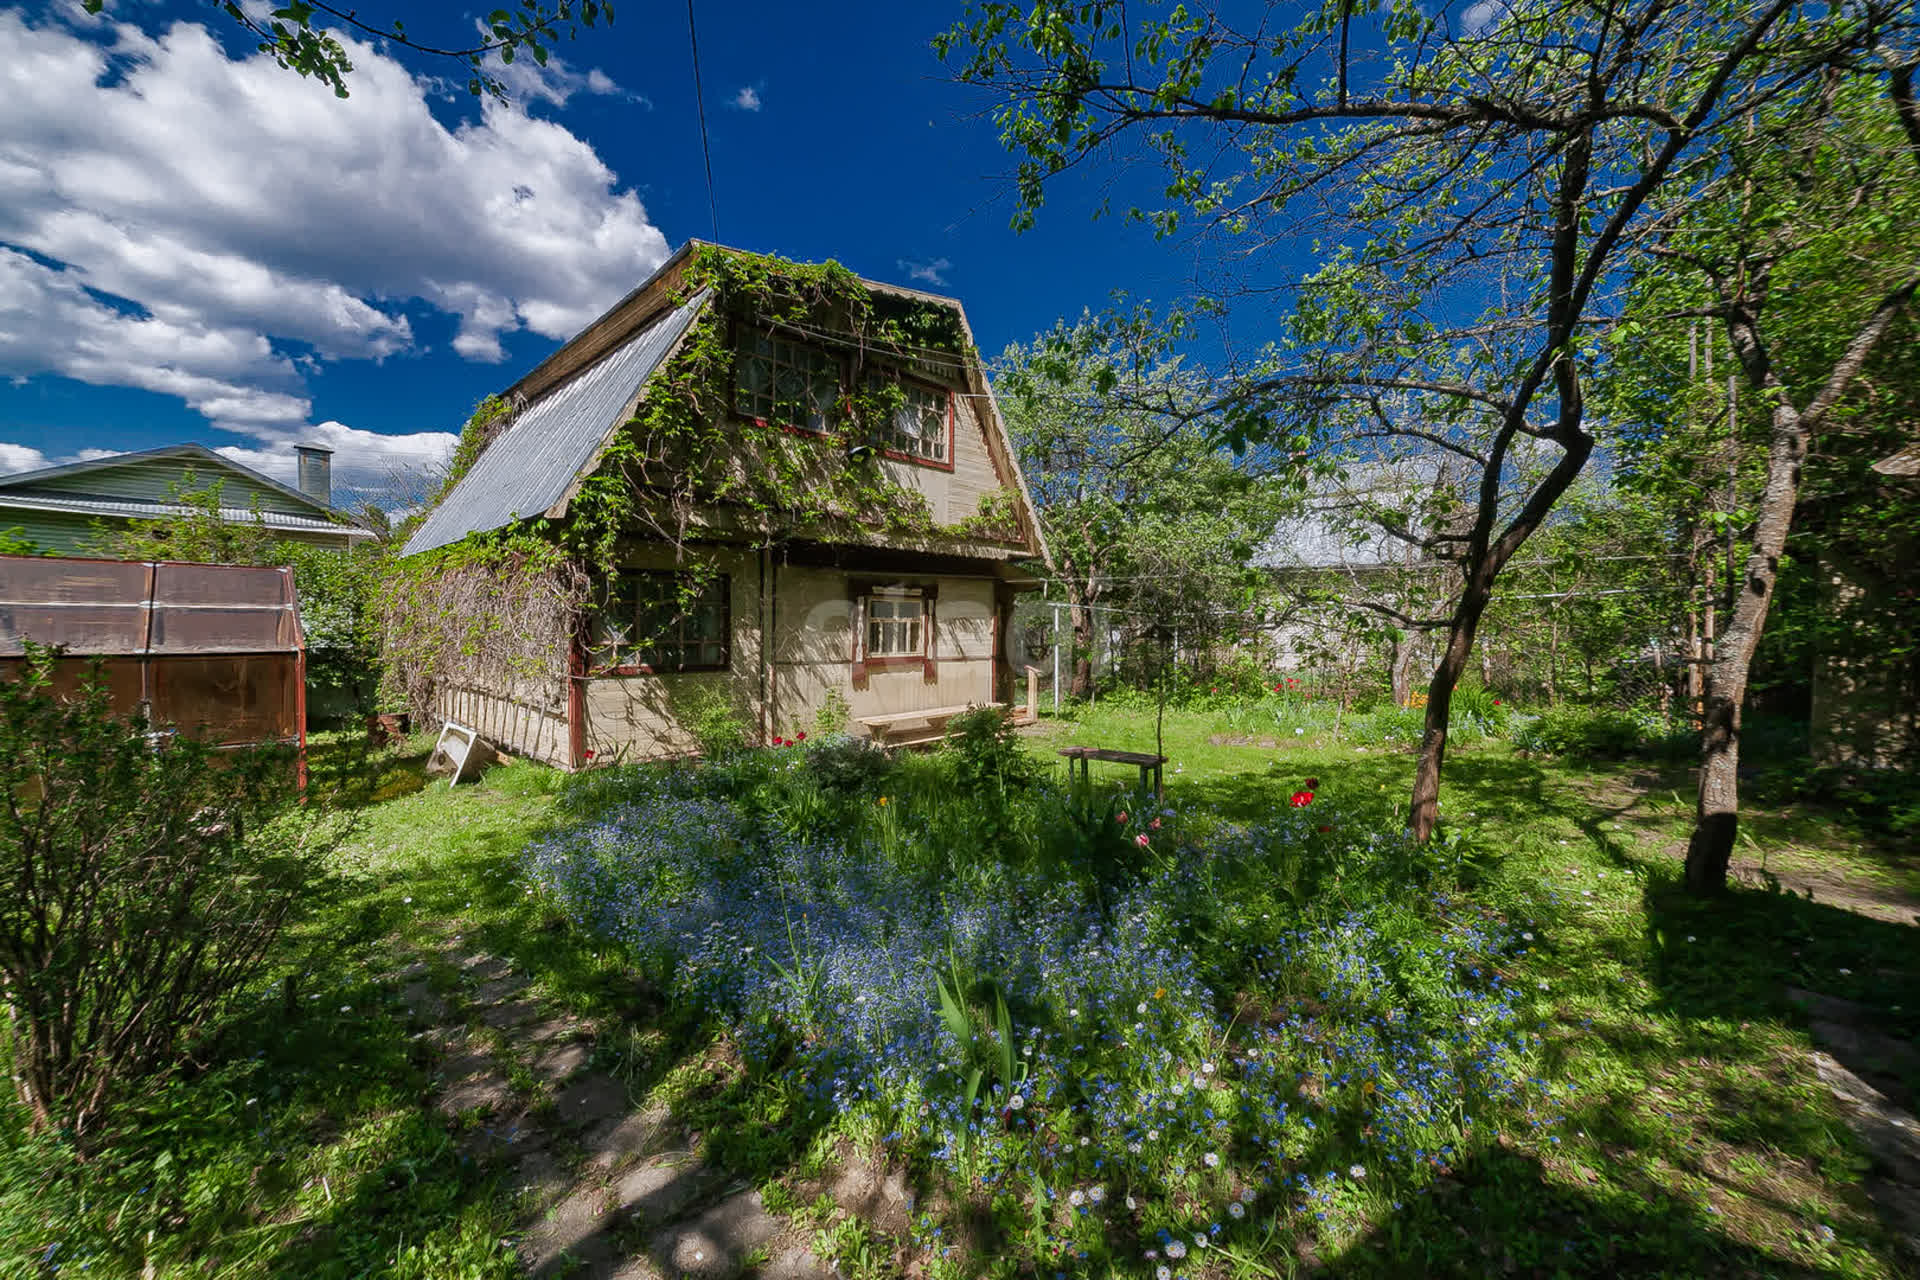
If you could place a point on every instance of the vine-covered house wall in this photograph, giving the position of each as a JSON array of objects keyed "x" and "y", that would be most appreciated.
[{"x": 755, "y": 487}]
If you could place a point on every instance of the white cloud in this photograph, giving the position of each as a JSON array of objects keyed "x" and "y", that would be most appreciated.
[
  {"x": 237, "y": 206},
  {"x": 748, "y": 99},
  {"x": 367, "y": 466},
  {"x": 18, "y": 457},
  {"x": 1480, "y": 16},
  {"x": 934, "y": 272},
  {"x": 525, "y": 80}
]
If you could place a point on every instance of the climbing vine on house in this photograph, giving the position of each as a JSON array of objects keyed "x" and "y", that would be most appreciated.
[{"x": 685, "y": 467}]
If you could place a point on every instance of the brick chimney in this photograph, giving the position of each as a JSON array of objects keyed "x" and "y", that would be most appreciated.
[{"x": 315, "y": 472}]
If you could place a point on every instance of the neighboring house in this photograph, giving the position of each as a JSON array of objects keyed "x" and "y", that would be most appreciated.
[
  {"x": 781, "y": 549},
  {"x": 61, "y": 510}
]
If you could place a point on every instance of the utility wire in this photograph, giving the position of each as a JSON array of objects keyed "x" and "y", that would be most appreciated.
[{"x": 700, "y": 102}]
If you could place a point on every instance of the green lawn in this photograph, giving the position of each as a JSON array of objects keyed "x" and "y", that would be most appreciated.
[{"x": 1697, "y": 1140}]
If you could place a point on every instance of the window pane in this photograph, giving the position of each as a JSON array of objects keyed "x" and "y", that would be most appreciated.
[{"x": 662, "y": 621}]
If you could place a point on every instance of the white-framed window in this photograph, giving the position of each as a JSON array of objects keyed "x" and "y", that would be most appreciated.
[
  {"x": 896, "y": 626},
  {"x": 784, "y": 382}
]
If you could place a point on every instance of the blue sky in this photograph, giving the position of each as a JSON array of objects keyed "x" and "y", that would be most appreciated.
[{"x": 196, "y": 245}]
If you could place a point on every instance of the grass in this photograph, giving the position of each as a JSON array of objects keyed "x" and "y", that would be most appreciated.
[{"x": 1696, "y": 1140}]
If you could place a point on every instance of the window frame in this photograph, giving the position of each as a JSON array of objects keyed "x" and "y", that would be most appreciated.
[
  {"x": 743, "y": 328},
  {"x": 889, "y": 373},
  {"x": 721, "y": 583},
  {"x": 916, "y": 657}
]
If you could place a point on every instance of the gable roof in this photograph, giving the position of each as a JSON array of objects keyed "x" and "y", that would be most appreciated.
[
  {"x": 27, "y": 490},
  {"x": 533, "y": 464},
  {"x": 577, "y": 421}
]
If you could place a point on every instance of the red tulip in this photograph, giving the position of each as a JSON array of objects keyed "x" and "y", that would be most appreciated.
[
  {"x": 1301, "y": 799},
  {"x": 802, "y": 736}
]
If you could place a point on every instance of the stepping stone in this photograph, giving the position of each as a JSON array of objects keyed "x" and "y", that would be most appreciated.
[
  {"x": 1832, "y": 1008},
  {"x": 663, "y": 1188},
  {"x": 476, "y": 1093},
  {"x": 556, "y": 1066},
  {"x": 422, "y": 1004},
  {"x": 538, "y": 1176},
  {"x": 517, "y": 1132},
  {"x": 714, "y": 1245},
  {"x": 1890, "y": 1134},
  {"x": 572, "y": 1226},
  {"x": 797, "y": 1263},
  {"x": 498, "y": 990},
  {"x": 468, "y": 1062},
  {"x": 502, "y": 1017},
  {"x": 555, "y": 1029},
  {"x": 880, "y": 1198},
  {"x": 621, "y": 1140},
  {"x": 480, "y": 966},
  {"x": 590, "y": 1099}
]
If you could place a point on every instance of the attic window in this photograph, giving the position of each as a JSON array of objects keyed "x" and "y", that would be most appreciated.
[
  {"x": 922, "y": 424},
  {"x": 785, "y": 383},
  {"x": 653, "y": 623}
]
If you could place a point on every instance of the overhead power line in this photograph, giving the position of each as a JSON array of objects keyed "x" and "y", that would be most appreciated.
[{"x": 700, "y": 102}]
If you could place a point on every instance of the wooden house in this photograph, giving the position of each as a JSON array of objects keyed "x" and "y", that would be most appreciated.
[
  {"x": 772, "y": 485},
  {"x": 62, "y": 510}
]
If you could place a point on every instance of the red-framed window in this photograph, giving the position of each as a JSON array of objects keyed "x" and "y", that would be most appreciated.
[
  {"x": 781, "y": 381},
  {"x": 921, "y": 428},
  {"x": 656, "y": 623}
]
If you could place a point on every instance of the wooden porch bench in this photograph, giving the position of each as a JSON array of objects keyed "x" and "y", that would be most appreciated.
[
  {"x": 1148, "y": 763},
  {"x": 887, "y": 730}
]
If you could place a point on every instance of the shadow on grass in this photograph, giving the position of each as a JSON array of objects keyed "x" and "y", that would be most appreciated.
[{"x": 1504, "y": 1213}]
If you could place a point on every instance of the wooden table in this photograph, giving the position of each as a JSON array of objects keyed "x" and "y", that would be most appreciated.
[{"x": 1148, "y": 763}]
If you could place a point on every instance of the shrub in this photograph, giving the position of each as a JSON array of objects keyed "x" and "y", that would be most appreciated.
[
  {"x": 713, "y": 720},
  {"x": 1600, "y": 733},
  {"x": 847, "y": 765},
  {"x": 147, "y": 880},
  {"x": 987, "y": 753}
]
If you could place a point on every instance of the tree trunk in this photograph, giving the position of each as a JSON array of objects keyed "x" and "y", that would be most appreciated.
[
  {"x": 1080, "y": 685},
  {"x": 1716, "y": 816},
  {"x": 1400, "y": 655},
  {"x": 1425, "y": 809}
]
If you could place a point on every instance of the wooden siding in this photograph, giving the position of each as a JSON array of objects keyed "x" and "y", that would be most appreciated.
[
  {"x": 151, "y": 480},
  {"x": 61, "y": 533},
  {"x": 51, "y": 532},
  {"x": 642, "y": 717},
  {"x": 813, "y": 650}
]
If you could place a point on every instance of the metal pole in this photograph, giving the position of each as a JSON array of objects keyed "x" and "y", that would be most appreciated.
[{"x": 1056, "y": 659}]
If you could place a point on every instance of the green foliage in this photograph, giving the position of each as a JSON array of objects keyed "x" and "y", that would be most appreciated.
[
  {"x": 988, "y": 756},
  {"x": 847, "y": 765},
  {"x": 290, "y": 36},
  {"x": 201, "y": 535},
  {"x": 15, "y": 542},
  {"x": 1599, "y": 733},
  {"x": 834, "y": 714},
  {"x": 146, "y": 885},
  {"x": 713, "y": 718}
]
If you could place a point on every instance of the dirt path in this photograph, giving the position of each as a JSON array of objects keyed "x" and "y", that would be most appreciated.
[{"x": 609, "y": 1191}]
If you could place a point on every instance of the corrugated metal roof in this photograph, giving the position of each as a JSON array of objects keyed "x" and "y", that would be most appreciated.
[
  {"x": 535, "y": 460},
  {"x": 133, "y": 510}
]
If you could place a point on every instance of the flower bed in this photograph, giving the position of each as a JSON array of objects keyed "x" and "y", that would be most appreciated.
[{"x": 1145, "y": 1044}]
